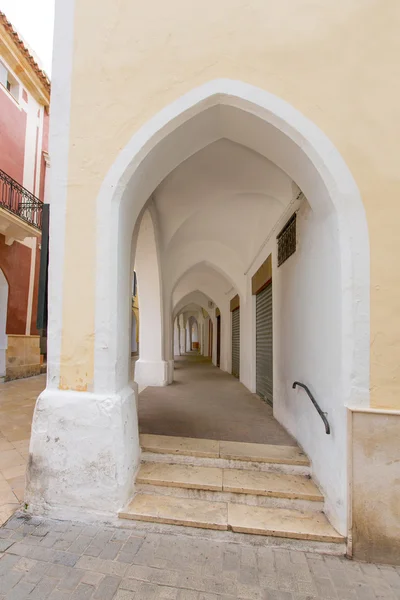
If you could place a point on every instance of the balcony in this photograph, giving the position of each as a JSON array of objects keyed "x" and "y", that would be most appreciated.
[{"x": 20, "y": 211}]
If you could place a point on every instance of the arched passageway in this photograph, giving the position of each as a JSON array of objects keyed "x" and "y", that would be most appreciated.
[{"x": 221, "y": 172}]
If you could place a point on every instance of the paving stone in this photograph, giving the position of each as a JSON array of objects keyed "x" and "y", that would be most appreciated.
[
  {"x": 188, "y": 595},
  {"x": 7, "y": 561},
  {"x": 167, "y": 593},
  {"x": 92, "y": 578},
  {"x": 132, "y": 546},
  {"x": 36, "y": 573},
  {"x": 5, "y": 544},
  {"x": 147, "y": 591},
  {"x": 326, "y": 589},
  {"x": 107, "y": 588},
  {"x": 25, "y": 564},
  {"x": 43, "y": 589},
  {"x": 9, "y": 580},
  {"x": 278, "y": 595},
  {"x": 59, "y": 595},
  {"x": 50, "y": 540},
  {"x": 20, "y": 591},
  {"x": 79, "y": 545},
  {"x": 59, "y": 571},
  {"x": 121, "y": 535},
  {"x": 150, "y": 566},
  {"x": 131, "y": 585},
  {"x": 111, "y": 550},
  {"x": 125, "y": 595},
  {"x": 83, "y": 592},
  {"x": 108, "y": 567},
  {"x": 40, "y": 531},
  {"x": 5, "y": 533},
  {"x": 71, "y": 580},
  {"x": 91, "y": 530}
]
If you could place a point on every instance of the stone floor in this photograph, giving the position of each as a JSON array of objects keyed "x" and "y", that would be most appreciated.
[
  {"x": 17, "y": 402},
  {"x": 54, "y": 560},
  {"x": 205, "y": 402}
]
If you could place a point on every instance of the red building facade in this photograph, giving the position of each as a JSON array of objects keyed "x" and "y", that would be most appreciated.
[{"x": 24, "y": 126}]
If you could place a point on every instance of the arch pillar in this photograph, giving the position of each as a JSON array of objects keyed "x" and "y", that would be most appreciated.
[
  {"x": 177, "y": 335},
  {"x": 151, "y": 368}
]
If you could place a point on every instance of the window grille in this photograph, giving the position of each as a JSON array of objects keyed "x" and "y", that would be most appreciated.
[{"x": 287, "y": 240}]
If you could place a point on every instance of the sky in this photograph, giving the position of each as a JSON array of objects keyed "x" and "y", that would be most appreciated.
[{"x": 33, "y": 19}]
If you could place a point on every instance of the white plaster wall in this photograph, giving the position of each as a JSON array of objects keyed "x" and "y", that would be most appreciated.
[
  {"x": 3, "y": 322},
  {"x": 308, "y": 348}
]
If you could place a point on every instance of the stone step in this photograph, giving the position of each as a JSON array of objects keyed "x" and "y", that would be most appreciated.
[
  {"x": 177, "y": 511},
  {"x": 223, "y": 516},
  {"x": 235, "y": 481},
  {"x": 159, "y": 448}
]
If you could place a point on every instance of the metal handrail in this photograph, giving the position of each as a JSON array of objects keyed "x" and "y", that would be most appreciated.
[
  {"x": 313, "y": 400},
  {"x": 20, "y": 201}
]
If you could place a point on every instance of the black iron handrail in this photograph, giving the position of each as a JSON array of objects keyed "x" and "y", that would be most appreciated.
[
  {"x": 313, "y": 400},
  {"x": 20, "y": 201}
]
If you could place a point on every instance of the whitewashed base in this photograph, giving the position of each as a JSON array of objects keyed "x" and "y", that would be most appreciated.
[
  {"x": 84, "y": 451},
  {"x": 155, "y": 373}
]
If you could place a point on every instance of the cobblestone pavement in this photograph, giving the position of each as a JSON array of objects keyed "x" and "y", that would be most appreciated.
[{"x": 59, "y": 560}]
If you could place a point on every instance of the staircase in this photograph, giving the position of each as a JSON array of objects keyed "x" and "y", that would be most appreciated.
[{"x": 258, "y": 489}]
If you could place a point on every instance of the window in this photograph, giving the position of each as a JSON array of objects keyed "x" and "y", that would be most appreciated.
[
  {"x": 8, "y": 80},
  {"x": 287, "y": 240}
]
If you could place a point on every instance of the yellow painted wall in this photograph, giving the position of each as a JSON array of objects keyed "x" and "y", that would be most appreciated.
[{"x": 334, "y": 60}]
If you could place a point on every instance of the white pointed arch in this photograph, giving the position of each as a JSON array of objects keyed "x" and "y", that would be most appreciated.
[{"x": 270, "y": 126}]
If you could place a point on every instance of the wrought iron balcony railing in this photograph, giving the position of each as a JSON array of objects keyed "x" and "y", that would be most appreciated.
[{"x": 19, "y": 201}]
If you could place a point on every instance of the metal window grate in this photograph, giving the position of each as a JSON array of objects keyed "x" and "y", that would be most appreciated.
[{"x": 287, "y": 240}]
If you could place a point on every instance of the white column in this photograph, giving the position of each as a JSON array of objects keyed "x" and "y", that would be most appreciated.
[
  {"x": 84, "y": 447},
  {"x": 248, "y": 341},
  {"x": 201, "y": 334},
  {"x": 226, "y": 339},
  {"x": 195, "y": 334},
  {"x": 177, "y": 334},
  {"x": 206, "y": 335},
  {"x": 182, "y": 336},
  {"x": 151, "y": 368}
]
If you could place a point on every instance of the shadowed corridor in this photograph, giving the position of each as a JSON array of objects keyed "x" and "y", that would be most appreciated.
[{"x": 205, "y": 402}]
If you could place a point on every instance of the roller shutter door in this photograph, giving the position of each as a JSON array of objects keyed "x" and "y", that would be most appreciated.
[
  {"x": 236, "y": 342},
  {"x": 264, "y": 365}
]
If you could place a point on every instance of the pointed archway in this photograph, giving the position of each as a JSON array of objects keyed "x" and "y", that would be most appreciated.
[{"x": 273, "y": 129}]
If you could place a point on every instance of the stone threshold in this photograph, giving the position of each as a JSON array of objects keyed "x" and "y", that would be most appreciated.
[
  {"x": 263, "y": 453},
  {"x": 224, "y": 516},
  {"x": 277, "y": 485}
]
